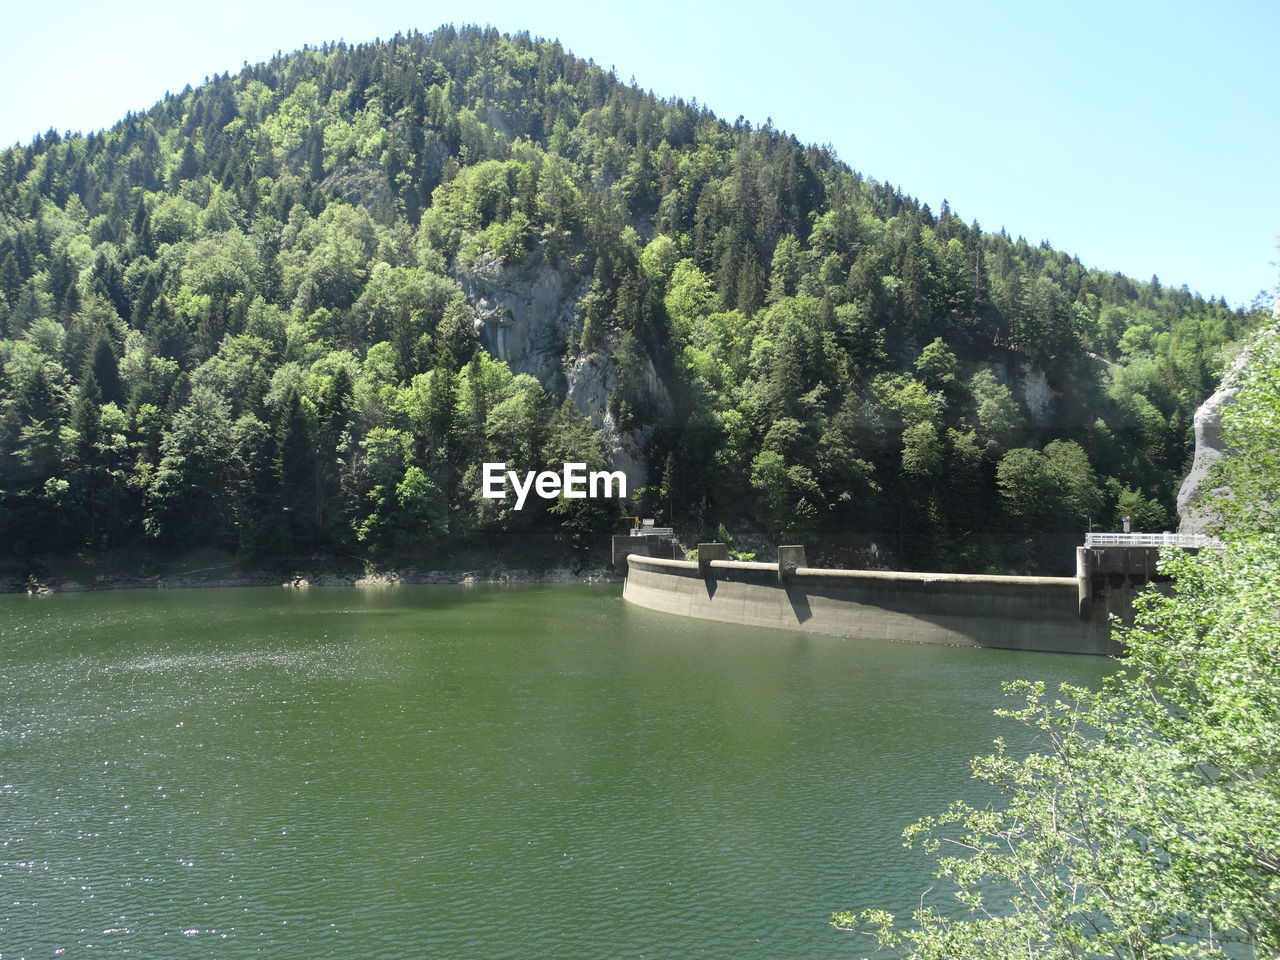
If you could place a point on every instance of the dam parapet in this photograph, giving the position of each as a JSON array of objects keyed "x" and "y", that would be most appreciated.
[
  {"x": 1021, "y": 613},
  {"x": 1050, "y": 614}
]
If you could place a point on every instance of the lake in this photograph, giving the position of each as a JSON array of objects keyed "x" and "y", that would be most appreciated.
[{"x": 466, "y": 772}]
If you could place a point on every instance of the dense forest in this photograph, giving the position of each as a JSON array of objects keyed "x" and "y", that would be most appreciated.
[{"x": 291, "y": 313}]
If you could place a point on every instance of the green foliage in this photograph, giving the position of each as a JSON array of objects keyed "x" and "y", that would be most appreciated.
[
  {"x": 345, "y": 208},
  {"x": 998, "y": 421},
  {"x": 789, "y": 494},
  {"x": 572, "y": 439},
  {"x": 1050, "y": 490},
  {"x": 408, "y": 513},
  {"x": 1243, "y": 484},
  {"x": 937, "y": 367},
  {"x": 186, "y": 499},
  {"x": 1147, "y": 823},
  {"x": 1146, "y": 514}
]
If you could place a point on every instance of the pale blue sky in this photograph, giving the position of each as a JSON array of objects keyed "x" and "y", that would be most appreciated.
[{"x": 1140, "y": 136}]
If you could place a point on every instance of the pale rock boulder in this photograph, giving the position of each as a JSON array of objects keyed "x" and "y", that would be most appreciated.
[
  {"x": 526, "y": 313},
  {"x": 1037, "y": 393},
  {"x": 1193, "y": 517}
]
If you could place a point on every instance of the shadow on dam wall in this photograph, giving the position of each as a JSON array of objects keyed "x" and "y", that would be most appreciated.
[{"x": 1049, "y": 614}]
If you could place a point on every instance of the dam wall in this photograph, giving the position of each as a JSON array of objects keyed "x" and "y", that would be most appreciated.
[{"x": 1019, "y": 613}]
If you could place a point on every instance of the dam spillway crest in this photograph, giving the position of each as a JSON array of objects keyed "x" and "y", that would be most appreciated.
[{"x": 1048, "y": 614}]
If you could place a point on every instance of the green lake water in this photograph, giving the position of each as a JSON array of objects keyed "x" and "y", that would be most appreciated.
[{"x": 453, "y": 772}]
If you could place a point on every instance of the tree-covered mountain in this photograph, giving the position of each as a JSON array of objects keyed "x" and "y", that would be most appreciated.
[{"x": 294, "y": 310}]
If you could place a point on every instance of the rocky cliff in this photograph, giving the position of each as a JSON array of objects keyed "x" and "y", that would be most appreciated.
[
  {"x": 1193, "y": 517},
  {"x": 528, "y": 315}
]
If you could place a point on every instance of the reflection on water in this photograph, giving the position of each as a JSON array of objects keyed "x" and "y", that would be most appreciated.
[{"x": 465, "y": 772}]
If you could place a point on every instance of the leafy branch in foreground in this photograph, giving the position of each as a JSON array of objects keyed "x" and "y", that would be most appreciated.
[{"x": 1148, "y": 824}]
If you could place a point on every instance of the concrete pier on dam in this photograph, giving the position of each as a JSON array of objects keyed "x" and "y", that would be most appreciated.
[{"x": 1048, "y": 614}]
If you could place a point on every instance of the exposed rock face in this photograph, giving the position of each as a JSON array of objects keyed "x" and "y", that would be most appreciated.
[
  {"x": 1209, "y": 447},
  {"x": 1038, "y": 394},
  {"x": 528, "y": 315},
  {"x": 592, "y": 378}
]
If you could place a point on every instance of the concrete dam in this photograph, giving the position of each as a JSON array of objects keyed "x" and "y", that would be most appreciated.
[{"x": 1048, "y": 614}]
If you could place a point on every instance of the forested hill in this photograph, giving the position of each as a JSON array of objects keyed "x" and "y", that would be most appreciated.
[{"x": 292, "y": 311}]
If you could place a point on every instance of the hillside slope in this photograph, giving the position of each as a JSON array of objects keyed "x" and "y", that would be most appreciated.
[{"x": 292, "y": 311}]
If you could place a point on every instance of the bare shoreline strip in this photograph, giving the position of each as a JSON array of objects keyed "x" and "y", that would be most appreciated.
[{"x": 302, "y": 579}]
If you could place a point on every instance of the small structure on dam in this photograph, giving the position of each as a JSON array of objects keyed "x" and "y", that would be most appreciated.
[
  {"x": 1111, "y": 568},
  {"x": 646, "y": 540},
  {"x": 1051, "y": 614}
]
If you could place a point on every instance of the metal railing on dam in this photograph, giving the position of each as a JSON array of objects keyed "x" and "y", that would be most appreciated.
[
  {"x": 1184, "y": 540},
  {"x": 1021, "y": 613}
]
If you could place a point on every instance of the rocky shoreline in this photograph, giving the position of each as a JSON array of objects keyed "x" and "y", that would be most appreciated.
[{"x": 301, "y": 580}]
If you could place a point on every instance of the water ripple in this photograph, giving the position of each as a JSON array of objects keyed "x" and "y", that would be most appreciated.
[{"x": 438, "y": 772}]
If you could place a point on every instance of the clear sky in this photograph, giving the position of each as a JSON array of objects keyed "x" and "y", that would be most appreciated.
[{"x": 1139, "y": 136}]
